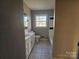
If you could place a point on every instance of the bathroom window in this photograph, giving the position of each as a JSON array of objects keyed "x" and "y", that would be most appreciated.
[
  {"x": 41, "y": 21},
  {"x": 25, "y": 21}
]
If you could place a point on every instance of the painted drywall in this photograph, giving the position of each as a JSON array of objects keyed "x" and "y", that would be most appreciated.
[
  {"x": 40, "y": 4},
  {"x": 12, "y": 42},
  {"x": 66, "y": 29},
  {"x": 27, "y": 11},
  {"x": 41, "y": 31}
]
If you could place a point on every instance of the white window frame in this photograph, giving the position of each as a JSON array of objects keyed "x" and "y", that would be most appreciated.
[{"x": 40, "y": 21}]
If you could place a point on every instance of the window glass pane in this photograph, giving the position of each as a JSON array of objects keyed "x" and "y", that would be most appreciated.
[
  {"x": 37, "y": 24},
  {"x": 43, "y": 24},
  {"x": 41, "y": 21},
  {"x": 40, "y": 18}
]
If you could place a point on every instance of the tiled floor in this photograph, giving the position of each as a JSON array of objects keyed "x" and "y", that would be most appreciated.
[{"x": 42, "y": 50}]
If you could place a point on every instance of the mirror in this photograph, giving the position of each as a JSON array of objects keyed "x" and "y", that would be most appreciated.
[{"x": 26, "y": 21}]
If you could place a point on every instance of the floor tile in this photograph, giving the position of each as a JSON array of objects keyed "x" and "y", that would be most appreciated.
[{"x": 42, "y": 50}]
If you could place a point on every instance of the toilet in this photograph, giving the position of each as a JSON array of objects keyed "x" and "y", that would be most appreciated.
[{"x": 37, "y": 38}]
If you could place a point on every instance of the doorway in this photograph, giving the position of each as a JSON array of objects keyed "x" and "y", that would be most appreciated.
[{"x": 39, "y": 31}]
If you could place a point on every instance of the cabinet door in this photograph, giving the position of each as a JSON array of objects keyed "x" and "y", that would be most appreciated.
[
  {"x": 27, "y": 47},
  {"x": 32, "y": 40},
  {"x": 30, "y": 47}
]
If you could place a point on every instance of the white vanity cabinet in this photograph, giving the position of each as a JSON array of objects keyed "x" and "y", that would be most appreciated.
[
  {"x": 29, "y": 42},
  {"x": 27, "y": 46}
]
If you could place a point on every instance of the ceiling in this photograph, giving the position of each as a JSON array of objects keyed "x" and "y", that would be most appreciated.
[{"x": 40, "y": 4}]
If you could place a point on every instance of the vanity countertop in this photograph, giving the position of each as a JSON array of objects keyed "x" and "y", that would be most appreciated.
[{"x": 29, "y": 34}]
